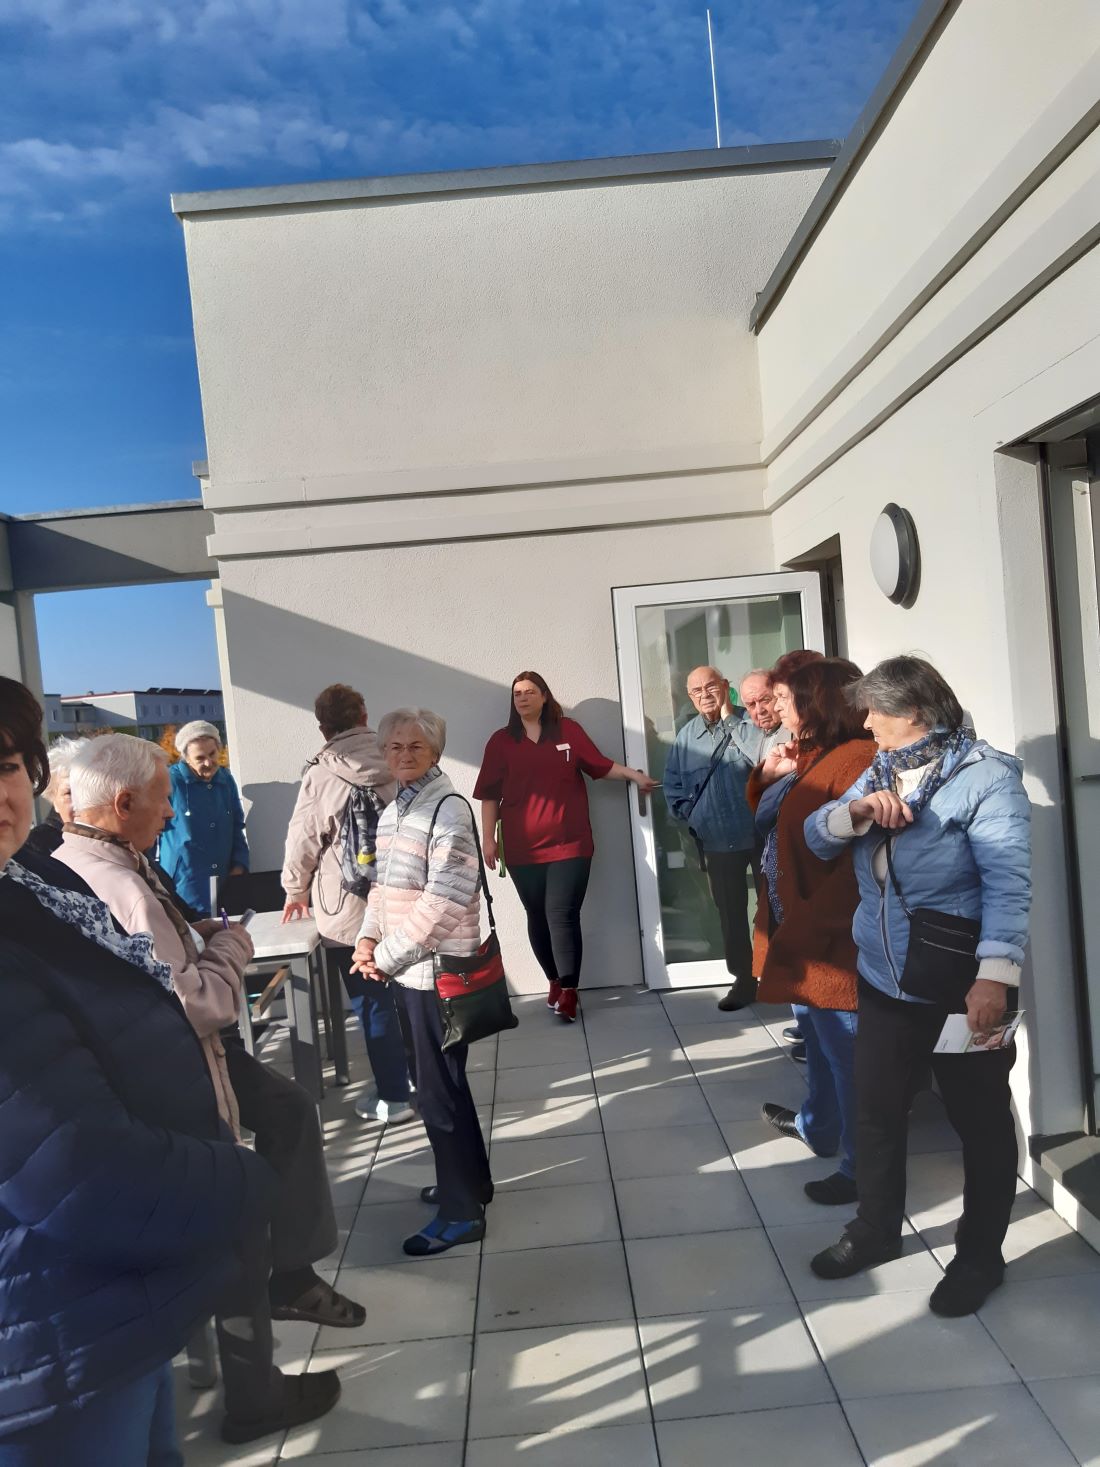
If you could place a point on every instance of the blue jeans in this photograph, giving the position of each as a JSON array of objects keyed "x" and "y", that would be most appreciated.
[
  {"x": 376, "y": 1010},
  {"x": 827, "y": 1120},
  {"x": 131, "y": 1427}
]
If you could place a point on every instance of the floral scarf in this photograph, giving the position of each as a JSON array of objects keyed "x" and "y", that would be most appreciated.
[
  {"x": 91, "y": 917},
  {"x": 932, "y": 750}
]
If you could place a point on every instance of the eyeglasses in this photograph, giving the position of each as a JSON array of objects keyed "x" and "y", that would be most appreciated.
[
  {"x": 707, "y": 688},
  {"x": 413, "y": 749}
]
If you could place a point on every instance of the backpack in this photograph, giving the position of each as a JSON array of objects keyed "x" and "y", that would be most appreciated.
[{"x": 358, "y": 840}]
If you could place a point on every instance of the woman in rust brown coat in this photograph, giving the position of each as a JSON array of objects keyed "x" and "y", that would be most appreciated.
[{"x": 803, "y": 951}]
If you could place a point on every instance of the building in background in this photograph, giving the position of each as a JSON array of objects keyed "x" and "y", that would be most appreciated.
[{"x": 147, "y": 714}]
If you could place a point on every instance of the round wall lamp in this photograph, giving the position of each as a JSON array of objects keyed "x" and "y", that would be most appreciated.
[{"x": 895, "y": 555}]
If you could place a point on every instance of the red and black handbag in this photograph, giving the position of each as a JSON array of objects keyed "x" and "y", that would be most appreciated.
[{"x": 472, "y": 991}]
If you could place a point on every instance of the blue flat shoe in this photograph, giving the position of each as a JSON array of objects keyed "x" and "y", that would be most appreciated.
[{"x": 439, "y": 1236}]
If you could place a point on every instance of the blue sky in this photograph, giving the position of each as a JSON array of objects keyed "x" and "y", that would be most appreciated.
[{"x": 112, "y": 104}]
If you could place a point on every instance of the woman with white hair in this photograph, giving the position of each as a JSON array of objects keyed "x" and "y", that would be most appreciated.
[
  {"x": 426, "y": 901},
  {"x": 206, "y": 837},
  {"x": 45, "y": 838}
]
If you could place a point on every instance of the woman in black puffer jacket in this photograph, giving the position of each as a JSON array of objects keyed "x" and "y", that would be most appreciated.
[{"x": 121, "y": 1192}]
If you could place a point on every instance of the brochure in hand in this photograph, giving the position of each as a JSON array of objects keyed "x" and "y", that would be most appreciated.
[{"x": 957, "y": 1037}]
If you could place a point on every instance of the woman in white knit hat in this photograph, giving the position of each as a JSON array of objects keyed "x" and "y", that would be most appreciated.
[{"x": 206, "y": 837}]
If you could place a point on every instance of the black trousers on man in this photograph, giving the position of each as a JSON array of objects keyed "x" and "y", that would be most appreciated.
[
  {"x": 894, "y": 1047},
  {"x": 728, "y": 875}
]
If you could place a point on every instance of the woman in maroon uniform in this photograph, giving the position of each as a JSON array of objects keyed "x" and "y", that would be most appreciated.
[{"x": 532, "y": 781}]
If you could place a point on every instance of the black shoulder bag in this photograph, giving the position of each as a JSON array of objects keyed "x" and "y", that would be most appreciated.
[
  {"x": 941, "y": 962},
  {"x": 472, "y": 991}
]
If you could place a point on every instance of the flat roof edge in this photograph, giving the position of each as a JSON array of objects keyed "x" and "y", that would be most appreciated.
[
  {"x": 521, "y": 175},
  {"x": 93, "y": 512},
  {"x": 903, "y": 67}
]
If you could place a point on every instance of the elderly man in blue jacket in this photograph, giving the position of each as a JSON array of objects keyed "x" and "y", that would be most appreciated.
[
  {"x": 205, "y": 839},
  {"x": 704, "y": 785}
]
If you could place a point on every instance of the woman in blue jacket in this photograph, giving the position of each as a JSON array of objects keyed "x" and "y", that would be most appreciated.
[
  {"x": 205, "y": 838},
  {"x": 122, "y": 1195},
  {"x": 951, "y": 814}
]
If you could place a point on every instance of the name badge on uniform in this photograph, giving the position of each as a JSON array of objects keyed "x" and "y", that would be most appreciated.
[{"x": 565, "y": 749}]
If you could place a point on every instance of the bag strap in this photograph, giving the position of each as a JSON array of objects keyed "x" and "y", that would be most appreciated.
[
  {"x": 454, "y": 795},
  {"x": 715, "y": 760},
  {"x": 894, "y": 876}
]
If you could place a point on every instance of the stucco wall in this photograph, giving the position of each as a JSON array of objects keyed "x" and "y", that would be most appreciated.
[
  {"x": 448, "y": 627},
  {"x": 544, "y": 324}
]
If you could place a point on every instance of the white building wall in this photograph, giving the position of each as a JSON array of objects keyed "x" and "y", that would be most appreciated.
[
  {"x": 487, "y": 411},
  {"x": 943, "y": 312}
]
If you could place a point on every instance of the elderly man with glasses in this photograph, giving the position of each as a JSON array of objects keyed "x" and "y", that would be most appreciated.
[{"x": 704, "y": 783}]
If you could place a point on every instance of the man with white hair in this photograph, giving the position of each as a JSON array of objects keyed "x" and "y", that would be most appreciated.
[
  {"x": 120, "y": 794},
  {"x": 206, "y": 836}
]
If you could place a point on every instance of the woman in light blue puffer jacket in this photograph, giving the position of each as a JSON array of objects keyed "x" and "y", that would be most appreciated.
[{"x": 957, "y": 820}]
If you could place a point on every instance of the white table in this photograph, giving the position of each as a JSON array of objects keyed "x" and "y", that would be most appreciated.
[{"x": 298, "y": 944}]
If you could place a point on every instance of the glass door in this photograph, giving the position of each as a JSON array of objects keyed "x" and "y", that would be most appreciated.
[
  {"x": 662, "y": 633},
  {"x": 1075, "y": 525}
]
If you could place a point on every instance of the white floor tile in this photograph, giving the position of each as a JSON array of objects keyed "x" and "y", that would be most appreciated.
[
  {"x": 524, "y": 1120},
  {"x": 916, "y": 1268},
  {"x": 1073, "y": 1406},
  {"x": 375, "y": 1240},
  {"x": 741, "y": 1099},
  {"x": 892, "y": 1344},
  {"x": 583, "y": 1284},
  {"x": 543, "y": 1217},
  {"x": 643, "y": 1075},
  {"x": 816, "y": 1435},
  {"x": 569, "y": 1081},
  {"x": 419, "y": 1299},
  {"x": 651, "y": 1207},
  {"x": 678, "y": 1105},
  {"x": 777, "y": 1190},
  {"x": 731, "y": 1360},
  {"x": 541, "y": 1043},
  {"x": 575, "y": 1376},
  {"x": 988, "y": 1427},
  {"x": 393, "y": 1396},
  {"x": 554, "y": 1162},
  {"x": 604, "y": 1446},
  {"x": 399, "y": 1178},
  {"x": 434, "y": 1454},
  {"x": 667, "y": 1151},
  {"x": 1039, "y": 1244},
  {"x": 1047, "y": 1327},
  {"x": 705, "y": 1271}
]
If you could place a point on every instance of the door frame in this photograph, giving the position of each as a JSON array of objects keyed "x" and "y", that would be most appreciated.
[{"x": 625, "y": 602}]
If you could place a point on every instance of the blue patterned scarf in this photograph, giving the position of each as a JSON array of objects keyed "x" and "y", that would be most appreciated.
[
  {"x": 91, "y": 917},
  {"x": 932, "y": 750},
  {"x": 408, "y": 793}
]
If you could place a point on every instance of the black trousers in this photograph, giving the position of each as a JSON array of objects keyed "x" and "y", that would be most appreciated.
[
  {"x": 448, "y": 1111},
  {"x": 893, "y": 1051},
  {"x": 552, "y": 895},
  {"x": 303, "y": 1229},
  {"x": 727, "y": 873},
  {"x": 288, "y": 1136}
]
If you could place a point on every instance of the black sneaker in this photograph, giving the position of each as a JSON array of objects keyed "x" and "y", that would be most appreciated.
[
  {"x": 963, "y": 1289},
  {"x": 736, "y": 998},
  {"x": 847, "y": 1257},
  {"x": 305, "y": 1397},
  {"x": 834, "y": 1191}
]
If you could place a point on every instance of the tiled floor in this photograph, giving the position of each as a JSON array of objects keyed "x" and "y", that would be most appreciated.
[{"x": 643, "y": 1295}]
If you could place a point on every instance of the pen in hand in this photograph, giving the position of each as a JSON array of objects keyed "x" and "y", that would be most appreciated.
[{"x": 224, "y": 915}]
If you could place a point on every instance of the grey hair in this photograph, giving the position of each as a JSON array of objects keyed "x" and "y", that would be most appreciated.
[
  {"x": 908, "y": 687},
  {"x": 198, "y": 728},
  {"x": 763, "y": 672},
  {"x": 109, "y": 764},
  {"x": 62, "y": 754},
  {"x": 430, "y": 725}
]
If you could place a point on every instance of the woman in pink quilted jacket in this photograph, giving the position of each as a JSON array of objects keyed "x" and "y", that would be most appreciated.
[{"x": 427, "y": 900}]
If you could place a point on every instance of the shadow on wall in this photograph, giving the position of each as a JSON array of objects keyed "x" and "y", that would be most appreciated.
[{"x": 285, "y": 659}]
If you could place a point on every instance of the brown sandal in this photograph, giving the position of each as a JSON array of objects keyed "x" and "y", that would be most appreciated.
[{"x": 321, "y": 1304}]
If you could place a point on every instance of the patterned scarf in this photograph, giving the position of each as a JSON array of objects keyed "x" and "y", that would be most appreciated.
[
  {"x": 408, "y": 793},
  {"x": 92, "y": 918},
  {"x": 932, "y": 750},
  {"x": 149, "y": 876}
]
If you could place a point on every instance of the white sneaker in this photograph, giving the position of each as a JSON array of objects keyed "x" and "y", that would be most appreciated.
[{"x": 388, "y": 1112}]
